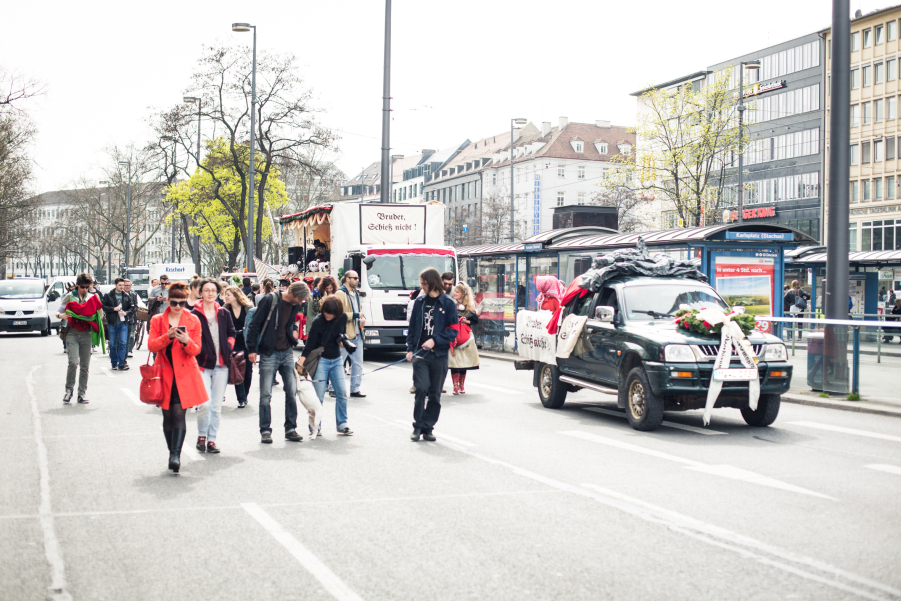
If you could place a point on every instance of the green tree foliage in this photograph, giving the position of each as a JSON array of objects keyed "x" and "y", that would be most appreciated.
[
  {"x": 215, "y": 197},
  {"x": 687, "y": 138}
]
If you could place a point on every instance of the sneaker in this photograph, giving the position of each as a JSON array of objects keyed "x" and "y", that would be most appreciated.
[
  {"x": 242, "y": 404},
  {"x": 346, "y": 432},
  {"x": 124, "y": 367},
  {"x": 201, "y": 444},
  {"x": 415, "y": 435},
  {"x": 412, "y": 390},
  {"x": 130, "y": 356},
  {"x": 211, "y": 447},
  {"x": 429, "y": 436},
  {"x": 358, "y": 395},
  {"x": 293, "y": 436},
  {"x": 83, "y": 401},
  {"x": 333, "y": 394},
  {"x": 67, "y": 397},
  {"x": 266, "y": 438}
]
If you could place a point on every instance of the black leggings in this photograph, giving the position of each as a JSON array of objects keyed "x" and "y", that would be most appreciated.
[{"x": 174, "y": 416}]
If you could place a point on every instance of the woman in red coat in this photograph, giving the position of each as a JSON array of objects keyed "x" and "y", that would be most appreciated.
[{"x": 175, "y": 336}]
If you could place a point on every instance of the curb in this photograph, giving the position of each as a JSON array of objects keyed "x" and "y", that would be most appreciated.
[
  {"x": 854, "y": 406},
  {"x": 794, "y": 398}
]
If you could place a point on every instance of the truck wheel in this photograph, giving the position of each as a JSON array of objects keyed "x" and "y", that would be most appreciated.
[
  {"x": 767, "y": 410},
  {"x": 643, "y": 408},
  {"x": 551, "y": 390},
  {"x": 46, "y": 331}
]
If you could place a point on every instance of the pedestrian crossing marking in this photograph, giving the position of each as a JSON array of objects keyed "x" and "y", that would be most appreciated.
[{"x": 889, "y": 469}]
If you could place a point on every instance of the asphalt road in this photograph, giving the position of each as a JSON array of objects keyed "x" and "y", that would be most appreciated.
[{"x": 514, "y": 501}]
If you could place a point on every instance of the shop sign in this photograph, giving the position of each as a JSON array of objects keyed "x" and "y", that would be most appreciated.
[
  {"x": 887, "y": 274},
  {"x": 758, "y": 89},
  {"x": 755, "y": 213}
]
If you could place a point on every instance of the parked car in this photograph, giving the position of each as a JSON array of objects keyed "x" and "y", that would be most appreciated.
[
  {"x": 630, "y": 344},
  {"x": 24, "y": 306}
]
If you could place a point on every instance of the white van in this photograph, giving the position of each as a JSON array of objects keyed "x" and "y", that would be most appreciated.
[{"x": 23, "y": 306}]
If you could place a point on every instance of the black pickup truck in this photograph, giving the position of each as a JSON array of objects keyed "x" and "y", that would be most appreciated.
[{"x": 630, "y": 345}]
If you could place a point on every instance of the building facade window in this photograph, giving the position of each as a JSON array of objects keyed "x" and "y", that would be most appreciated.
[
  {"x": 890, "y": 187},
  {"x": 855, "y": 79},
  {"x": 877, "y": 189},
  {"x": 855, "y": 115},
  {"x": 867, "y": 75},
  {"x": 865, "y": 184},
  {"x": 855, "y": 41},
  {"x": 867, "y": 38},
  {"x": 891, "y": 73},
  {"x": 891, "y": 31},
  {"x": 578, "y": 146},
  {"x": 561, "y": 171},
  {"x": 561, "y": 198},
  {"x": 890, "y": 104},
  {"x": 880, "y": 235},
  {"x": 581, "y": 171},
  {"x": 879, "y": 69},
  {"x": 877, "y": 151},
  {"x": 865, "y": 153},
  {"x": 581, "y": 198},
  {"x": 852, "y": 237},
  {"x": 855, "y": 192},
  {"x": 879, "y": 32},
  {"x": 867, "y": 113},
  {"x": 855, "y": 154},
  {"x": 880, "y": 110}
]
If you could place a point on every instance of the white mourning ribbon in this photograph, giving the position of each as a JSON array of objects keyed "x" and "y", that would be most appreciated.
[{"x": 731, "y": 336}]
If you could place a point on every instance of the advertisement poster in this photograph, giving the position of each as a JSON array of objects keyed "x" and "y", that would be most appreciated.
[
  {"x": 748, "y": 282},
  {"x": 392, "y": 224}
]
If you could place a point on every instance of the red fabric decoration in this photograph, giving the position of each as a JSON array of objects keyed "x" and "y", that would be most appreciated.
[
  {"x": 86, "y": 309},
  {"x": 572, "y": 293}
]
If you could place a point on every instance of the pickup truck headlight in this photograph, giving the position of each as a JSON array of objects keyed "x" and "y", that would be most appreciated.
[
  {"x": 774, "y": 352},
  {"x": 678, "y": 353}
]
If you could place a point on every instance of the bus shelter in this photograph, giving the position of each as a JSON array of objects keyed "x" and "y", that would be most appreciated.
[{"x": 745, "y": 263}]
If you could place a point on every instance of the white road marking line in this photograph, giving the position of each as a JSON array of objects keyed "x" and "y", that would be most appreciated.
[
  {"x": 691, "y": 527},
  {"x": 313, "y": 565},
  {"x": 694, "y": 429},
  {"x": 191, "y": 452},
  {"x": 891, "y": 469},
  {"x": 725, "y": 471},
  {"x": 52, "y": 550},
  {"x": 847, "y": 431},
  {"x": 134, "y": 398},
  {"x": 459, "y": 441},
  {"x": 107, "y": 371},
  {"x": 494, "y": 388}
]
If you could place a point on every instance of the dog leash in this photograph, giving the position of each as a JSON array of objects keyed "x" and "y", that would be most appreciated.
[{"x": 416, "y": 354}]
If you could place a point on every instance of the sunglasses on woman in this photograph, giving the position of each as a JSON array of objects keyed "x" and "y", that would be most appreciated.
[{"x": 174, "y": 304}]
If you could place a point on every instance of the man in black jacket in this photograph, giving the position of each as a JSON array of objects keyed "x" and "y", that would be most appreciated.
[
  {"x": 271, "y": 335},
  {"x": 117, "y": 306},
  {"x": 429, "y": 336}
]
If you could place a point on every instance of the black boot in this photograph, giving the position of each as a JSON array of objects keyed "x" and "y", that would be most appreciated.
[
  {"x": 168, "y": 435},
  {"x": 178, "y": 438}
]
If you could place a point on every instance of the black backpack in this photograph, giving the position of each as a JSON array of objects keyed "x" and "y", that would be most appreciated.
[{"x": 800, "y": 302}]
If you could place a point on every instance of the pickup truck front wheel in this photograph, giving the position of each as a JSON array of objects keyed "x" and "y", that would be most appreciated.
[
  {"x": 551, "y": 390},
  {"x": 766, "y": 413},
  {"x": 643, "y": 408}
]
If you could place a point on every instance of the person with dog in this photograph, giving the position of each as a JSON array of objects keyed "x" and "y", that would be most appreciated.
[
  {"x": 433, "y": 314},
  {"x": 465, "y": 358}
]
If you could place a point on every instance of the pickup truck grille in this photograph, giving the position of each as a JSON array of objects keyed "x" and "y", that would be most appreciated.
[
  {"x": 394, "y": 312},
  {"x": 712, "y": 350}
]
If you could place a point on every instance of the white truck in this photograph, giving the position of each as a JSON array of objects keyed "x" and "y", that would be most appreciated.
[{"x": 388, "y": 245}]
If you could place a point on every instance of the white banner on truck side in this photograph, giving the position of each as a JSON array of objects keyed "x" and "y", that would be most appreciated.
[
  {"x": 534, "y": 342},
  {"x": 392, "y": 224}
]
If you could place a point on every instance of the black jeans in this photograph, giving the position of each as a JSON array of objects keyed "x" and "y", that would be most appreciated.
[{"x": 429, "y": 372}]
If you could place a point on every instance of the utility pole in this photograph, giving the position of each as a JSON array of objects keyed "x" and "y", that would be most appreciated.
[{"x": 386, "y": 109}]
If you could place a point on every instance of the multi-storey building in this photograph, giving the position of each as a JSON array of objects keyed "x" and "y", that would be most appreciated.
[
  {"x": 783, "y": 160},
  {"x": 875, "y": 201},
  {"x": 552, "y": 167}
]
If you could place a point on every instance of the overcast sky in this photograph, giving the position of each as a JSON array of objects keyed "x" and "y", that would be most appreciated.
[{"x": 460, "y": 69}]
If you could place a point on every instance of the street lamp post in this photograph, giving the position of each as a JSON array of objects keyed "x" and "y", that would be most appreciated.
[
  {"x": 394, "y": 157},
  {"x": 518, "y": 121},
  {"x": 752, "y": 65},
  {"x": 242, "y": 28},
  {"x": 195, "y": 255},
  {"x": 385, "y": 195},
  {"x": 127, "y": 216},
  {"x": 99, "y": 246}
]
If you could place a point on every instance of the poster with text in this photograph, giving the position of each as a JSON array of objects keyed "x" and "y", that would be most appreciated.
[
  {"x": 748, "y": 282},
  {"x": 392, "y": 224}
]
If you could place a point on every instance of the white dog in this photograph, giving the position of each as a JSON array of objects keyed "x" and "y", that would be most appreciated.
[{"x": 307, "y": 396}]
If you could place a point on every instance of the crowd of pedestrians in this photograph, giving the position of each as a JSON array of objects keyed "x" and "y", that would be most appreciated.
[{"x": 198, "y": 329}]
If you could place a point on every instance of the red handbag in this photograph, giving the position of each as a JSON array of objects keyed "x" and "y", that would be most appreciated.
[
  {"x": 464, "y": 336},
  {"x": 152, "y": 391},
  {"x": 236, "y": 366}
]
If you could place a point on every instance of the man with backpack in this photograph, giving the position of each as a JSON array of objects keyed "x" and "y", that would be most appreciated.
[{"x": 271, "y": 334}]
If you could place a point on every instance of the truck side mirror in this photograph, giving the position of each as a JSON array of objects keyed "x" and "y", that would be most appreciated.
[
  {"x": 348, "y": 264},
  {"x": 604, "y": 314},
  {"x": 471, "y": 268},
  {"x": 472, "y": 282}
]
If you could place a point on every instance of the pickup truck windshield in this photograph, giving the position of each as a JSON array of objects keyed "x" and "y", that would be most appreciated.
[
  {"x": 644, "y": 303},
  {"x": 401, "y": 272},
  {"x": 22, "y": 289}
]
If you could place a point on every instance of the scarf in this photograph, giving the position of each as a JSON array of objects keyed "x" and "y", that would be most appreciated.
[
  {"x": 572, "y": 293},
  {"x": 549, "y": 287},
  {"x": 90, "y": 311}
]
